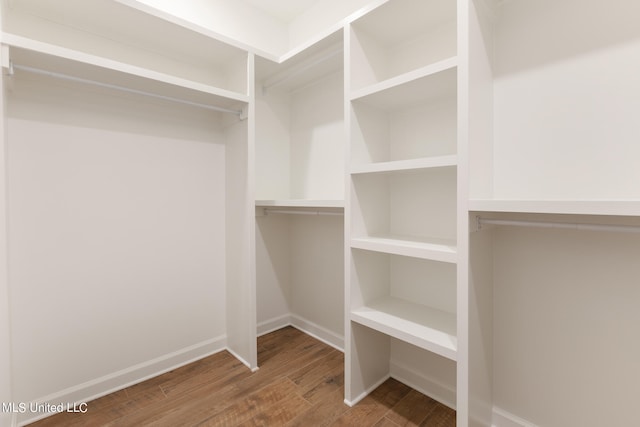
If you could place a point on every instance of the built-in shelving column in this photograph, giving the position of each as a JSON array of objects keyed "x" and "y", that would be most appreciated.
[
  {"x": 180, "y": 100},
  {"x": 402, "y": 231},
  {"x": 300, "y": 191}
]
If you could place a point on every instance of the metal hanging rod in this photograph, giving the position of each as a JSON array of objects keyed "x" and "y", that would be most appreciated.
[
  {"x": 562, "y": 225},
  {"x": 268, "y": 211},
  {"x": 12, "y": 67}
]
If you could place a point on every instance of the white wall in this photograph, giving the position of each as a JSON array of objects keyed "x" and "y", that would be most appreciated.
[
  {"x": 300, "y": 274},
  {"x": 117, "y": 237},
  {"x": 273, "y": 271},
  {"x": 317, "y": 272},
  {"x": 565, "y": 100},
  {"x": 273, "y": 150},
  {"x": 5, "y": 325},
  {"x": 317, "y": 140},
  {"x": 566, "y": 345}
]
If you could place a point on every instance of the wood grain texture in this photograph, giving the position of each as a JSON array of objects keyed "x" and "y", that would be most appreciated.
[{"x": 300, "y": 383}]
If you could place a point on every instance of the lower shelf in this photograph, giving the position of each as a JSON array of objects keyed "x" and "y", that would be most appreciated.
[{"x": 425, "y": 327}]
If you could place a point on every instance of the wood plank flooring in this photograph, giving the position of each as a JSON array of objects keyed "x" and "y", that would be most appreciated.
[{"x": 299, "y": 383}]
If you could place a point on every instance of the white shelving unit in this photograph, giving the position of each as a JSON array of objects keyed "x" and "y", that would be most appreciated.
[
  {"x": 427, "y": 328},
  {"x": 33, "y": 56},
  {"x": 300, "y": 148},
  {"x": 141, "y": 41},
  {"x": 300, "y": 169},
  {"x": 443, "y": 250},
  {"x": 86, "y": 76},
  {"x": 350, "y": 175},
  {"x": 403, "y": 203},
  {"x": 552, "y": 140}
]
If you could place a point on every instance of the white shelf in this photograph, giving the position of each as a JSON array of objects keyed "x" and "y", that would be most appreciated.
[
  {"x": 433, "y": 81},
  {"x": 307, "y": 67},
  {"x": 434, "y": 249},
  {"x": 301, "y": 203},
  {"x": 570, "y": 207},
  {"x": 425, "y": 327},
  {"x": 406, "y": 165},
  {"x": 75, "y": 64}
]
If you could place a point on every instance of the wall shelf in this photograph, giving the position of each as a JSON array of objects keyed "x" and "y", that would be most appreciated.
[
  {"x": 71, "y": 63},
  {"x": 434, "y": 81},
  {"x": 425, "y": 327},
  {"x": 569, "y": 207},
  {"x": 406, "y": 165},
  {"x": 301, "y": 203},
  {"x": 443, "y": 250}
]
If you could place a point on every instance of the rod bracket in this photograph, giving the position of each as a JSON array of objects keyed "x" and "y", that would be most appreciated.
[{"x": 243, "y": 114}]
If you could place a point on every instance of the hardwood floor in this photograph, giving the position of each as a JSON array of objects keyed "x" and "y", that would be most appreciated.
[{"x": 299, "y": 383}]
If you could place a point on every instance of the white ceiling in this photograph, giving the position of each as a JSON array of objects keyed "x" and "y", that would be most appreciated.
[{"x": 284, "y": 10}]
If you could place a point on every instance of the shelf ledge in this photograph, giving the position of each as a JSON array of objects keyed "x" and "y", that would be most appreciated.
[
  {"x": 406, "y": 165},
  {"x": 300, "y": 203},
  {"x": 569, "y": 207},
  {"x": 426, "y": 327},
  {"x": 443, "y": 250},
  {"x": 432, "y": 80},
  {"x": 72, "y": 63}
]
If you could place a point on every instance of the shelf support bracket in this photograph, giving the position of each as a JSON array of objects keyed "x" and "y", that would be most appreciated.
[
  {"x": 5, "y": 59},
  {"x": 243, "y": 114}
]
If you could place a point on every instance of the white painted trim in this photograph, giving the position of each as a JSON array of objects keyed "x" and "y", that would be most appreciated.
[
  {"x": 242, "y": 360},
  {"x": 310, "y": 328},
  {"x": 442, "y": 393},
  {"x": 365, "y": 393},
  {"x": 271, "y": 325},
  {"x": 318, "y": 332},
  {"x": 502, "y": 418},
  {"x": 119, "y": 380}
]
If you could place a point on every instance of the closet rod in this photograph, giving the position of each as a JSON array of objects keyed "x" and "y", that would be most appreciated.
[
  {"x": 565, "y": 225},
  {"x": 119, "y": 88},
  {"x": 268, "y": 211}
]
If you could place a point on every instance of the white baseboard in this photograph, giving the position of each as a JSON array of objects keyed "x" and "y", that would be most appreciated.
[
  {"x": 365, "y": 393},
  {"x": 425, "y": 385},
  {"x": 502, "y": 418},
  {"x": 107, "y": 384},
  {"x": 242, "y": 360},
  {"x": 312, "y": 329},
  {"x": 318, "y": 332},
  {"x": 274, "y": 324}
]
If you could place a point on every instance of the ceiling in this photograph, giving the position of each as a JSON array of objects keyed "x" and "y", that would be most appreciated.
[{"x": 283, "y": 10}]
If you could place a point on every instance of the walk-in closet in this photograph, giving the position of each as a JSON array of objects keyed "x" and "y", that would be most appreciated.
[{"x": 444, "y": 193}]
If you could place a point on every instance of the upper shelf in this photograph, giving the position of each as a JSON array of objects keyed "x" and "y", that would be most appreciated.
[
  {"x": 323, "y": 58},
  {"x": 569, "y": 207},
  {"x": 110, "y": 35},
  {"x": 432, "y": 81},
  {"x": 401, "y": 36},
  {"x": 45, "y": 58}
]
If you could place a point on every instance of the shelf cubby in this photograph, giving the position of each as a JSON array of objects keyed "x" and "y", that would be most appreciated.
[
  {"x": 300, "y": 145},
  {"x": 411, "y": 119},
  {"x": 419, "y": 205},
  {"x": 399, "y": 37},
  {"x": 411, "y": 299}
]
